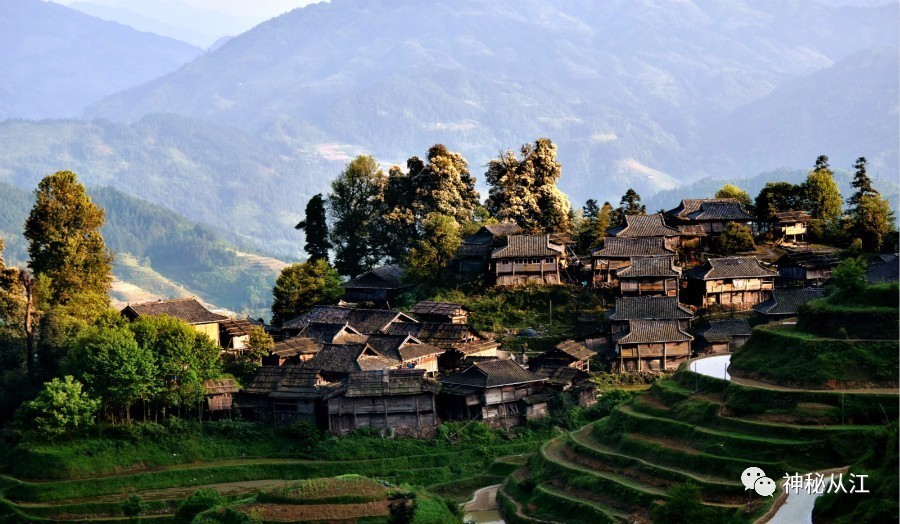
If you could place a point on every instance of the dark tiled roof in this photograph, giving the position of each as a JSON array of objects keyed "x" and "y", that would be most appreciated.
[
  {"x": 384, "y": 382},
  {"x": 809, "y": 260},
  {"x": 332, "y": 333},
  {"x": 221, "y": 386},
  {"x": 632, "y": 247},
  {"x": 787, "y": 301},
  {"x": 720, "y": 211},
  {"x": 638, "y": 308},
  {"x": 236, "y": 327},
  {"x": 491, "y": 374},
  {"x": 730, "y": 267},
  {"x": 692, "y": 205},
  {"x": 344, "y": 358},
  {"x": 644, "y": 226},
  {"x": 725, "y": 329},
  {"x": 884, "y": 268},
  {"x": 384, "y": 277},
  {"x": 296, "y": 346},
  {"x": 651, "y": 331},
  {"x": 649, "y": 267},
  {"x": 298, "y": 382},
  {"x": 793, "y": 216},
  {"x": 574, "y": 350},
  {"x": 441, "y": 334},
  {"x": 437, "y": 308},
  {"x": 528, "y": 246},
  {"x": 186, "y": 309},
  {"x": 402, "y": 347},
  {"x": 266, "y": 380},
  {"x": 366, "y": 321}
]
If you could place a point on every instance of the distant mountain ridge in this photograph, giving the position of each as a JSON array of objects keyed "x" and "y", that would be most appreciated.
[
  {"x": 630, "y": 90},
  {"x": 56, "y": 60}
]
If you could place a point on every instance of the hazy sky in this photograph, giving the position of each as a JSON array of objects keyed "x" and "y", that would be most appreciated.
[{"x": 258, "y": 9}]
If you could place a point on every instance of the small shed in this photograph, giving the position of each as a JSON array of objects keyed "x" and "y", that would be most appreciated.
[
  {"x": 219, "y": 393},
  {"x": 566, "y": 354},
  {"x": 234, "y": 334},
  {"x": 724, "y": 336},
  {"x": 292, "y": 351},
  {"x": 791, "y": 226}
]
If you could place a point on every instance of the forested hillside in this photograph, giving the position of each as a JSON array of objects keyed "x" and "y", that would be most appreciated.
[
  {"x": 158, "y": 251},
  {"x": 56, "y": 60}
]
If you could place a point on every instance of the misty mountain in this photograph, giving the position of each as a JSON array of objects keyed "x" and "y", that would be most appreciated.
[
  {"x": 251, "y": 190},
  {"x": 56, "y": 60},
  {"x": 146, "y": 23},
  {"x": 632, "y": 92}
]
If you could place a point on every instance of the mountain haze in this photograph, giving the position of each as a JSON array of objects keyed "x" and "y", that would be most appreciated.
[
  {"x": 56, "y": 60},
  {"x": 631, "y": 91}
]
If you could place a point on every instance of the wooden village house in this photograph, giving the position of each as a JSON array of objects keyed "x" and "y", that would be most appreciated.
[
  {"x": 647, "y": 308},
  {"x": 527, "y": 258},
  {"x": 219, "y": 394},
  {"x": 332, "y": 333},
  {"x": 786, "y": 302},
  {"x": 458, "y": 341},
  {"x": 731, "y": 282},
  {"x": 398, "y": 400},
  {"x": 440, "y": 312},
  {"x": 647, "y": 226},
  {"x": 474, "y": 254},
  {"x": 790, "y": 227},
  {"x": 617, "y": 253},
  {"x": 234, "y": 335},
  {"x": 649, "y": 276},
  {"x": 381, "y": 285},
  {"x": 701, "y": 217},
  {"x": 410, "y": 352},
  {"x": 566, "y": 354},
  {"x": 292, "y": 351},
  {"x": 284, "y": 394},
  {"x": 499, "y": 393},
  {"x": 807, "y": 267},
  {"x": 724, "y": 336},
  {"x": 651, "y": 345},
  {"x": 185, "y": 309}
]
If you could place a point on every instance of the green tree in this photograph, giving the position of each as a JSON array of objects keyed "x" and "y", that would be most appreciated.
[
  {"x": 733, "y": 191},
  {"x": 315, "y": 229},
  {"x": 593, "y": 225},
  {"x": 65, "y": 244},
  {"x": 524, "y": 190},
  {"x": 871, "y": 220},
  {"x": 396, "y": 225},
  {"x": 778, "y": 197},
  {"x": 822, "y": 193},
  {"x": 735, "y": 239},
  {"x": 443, "y": 185},
  {"x": 849, "y": 277},
  {"x": 113, "y": 367},
  {"x": 440, "y": 240},
  {"x": 61, "y": 406},
  {"x": 12, "y": 303},
  {"x": 861, "y": 182},
  {"x": 185, "y": 358},
  {"x": 299, "y": 287},
  {"x": 684, "y": 506},
  {"x": 353, "y": 205}
]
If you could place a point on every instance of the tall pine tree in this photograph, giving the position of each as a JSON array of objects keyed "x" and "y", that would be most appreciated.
[
  {"x": 315, "y": 229},
  {"x": 822, "y": 194},
  {"x": 353, "y": 203},
  {"x": 66, "y": 246}
]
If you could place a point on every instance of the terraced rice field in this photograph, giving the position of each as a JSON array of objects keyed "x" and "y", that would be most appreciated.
[{"x": 619, "y": 468}]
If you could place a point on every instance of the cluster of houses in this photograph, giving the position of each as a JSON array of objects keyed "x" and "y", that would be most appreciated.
[{"x": 346, "y": 367}]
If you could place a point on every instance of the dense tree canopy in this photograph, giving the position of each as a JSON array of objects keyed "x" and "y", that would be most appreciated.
[
  {"x": 65, "y": 243},
  {"x": 443, "y": 185},
  {"x": 301, "y": 286},
  {"x": 822, "y": 194},
  {"x": 353, "y": 204},
  {"x": 60, "y": 407},
  {"x": 733, "y": 191},
  {"x": 736, "y": 238},
  {"x": 778, "y": 197},
  {"x": 315, "y": 229},
  {"x": 440, "y": 239},
  {"x": 524, "y": 190}
]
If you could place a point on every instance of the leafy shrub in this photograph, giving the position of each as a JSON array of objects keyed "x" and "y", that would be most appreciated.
[
  {"x": 60, "y": 407},
  {"x": 197, "y": 502},
  {"x": 134, "y": 506},
  {"x": 684, "y": 505}
]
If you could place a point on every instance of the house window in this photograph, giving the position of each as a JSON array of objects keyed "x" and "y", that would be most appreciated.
[
  {"x": 534, "y": 261},
  {"x": 548, "y": 260},
  {"x": 505, "y": 262}
]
